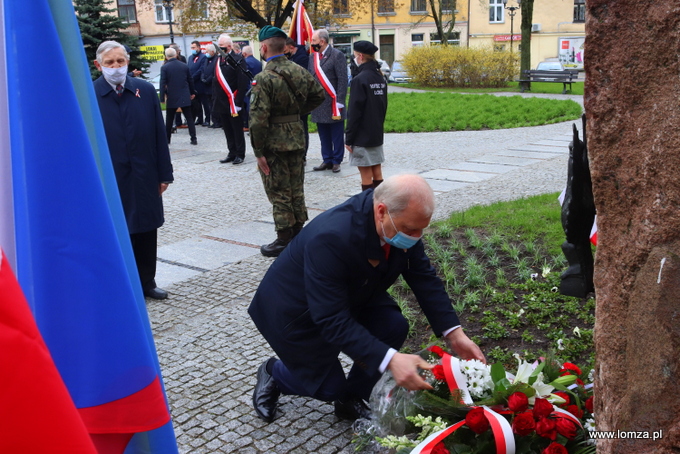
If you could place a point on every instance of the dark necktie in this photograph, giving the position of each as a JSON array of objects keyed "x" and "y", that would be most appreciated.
[
  {"x": 119, "y": 89},
  {"x": 386, "y": 248}
]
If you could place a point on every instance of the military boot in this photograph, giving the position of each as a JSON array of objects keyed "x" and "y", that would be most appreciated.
[
  {"x": 297, "y": 228},
  {"x": 273, "y": 249}
]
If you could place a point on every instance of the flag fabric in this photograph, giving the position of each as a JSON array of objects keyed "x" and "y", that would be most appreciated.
[
  {"x": 70, "y": 243},
  {"x": 37, "y": 413},
  {"x": 300, "y": 27}
]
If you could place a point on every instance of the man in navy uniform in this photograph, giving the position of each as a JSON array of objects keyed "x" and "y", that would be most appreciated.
[
  {"x": 327, "y": 293},
  {"x": 139, "y": 152}
]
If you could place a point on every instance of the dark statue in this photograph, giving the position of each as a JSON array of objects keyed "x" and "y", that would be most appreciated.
[{"x": 578, "y": 214}]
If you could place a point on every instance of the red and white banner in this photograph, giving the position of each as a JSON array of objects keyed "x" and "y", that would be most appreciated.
[
  {"x": 455, "y": 378},
  {"x": 300, "y": 27},
  {"x": 227, "y": 90},
  {"x": 326, "y": 84}
]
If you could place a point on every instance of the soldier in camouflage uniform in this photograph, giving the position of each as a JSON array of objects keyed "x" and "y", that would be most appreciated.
[{"x": 281, "y": 93}]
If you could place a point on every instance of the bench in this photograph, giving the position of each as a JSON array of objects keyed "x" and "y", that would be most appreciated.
[{"x": 534, "y": 75}]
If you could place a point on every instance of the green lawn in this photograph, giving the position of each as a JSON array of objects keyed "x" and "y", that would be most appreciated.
[{"x": 536, "y": 87}]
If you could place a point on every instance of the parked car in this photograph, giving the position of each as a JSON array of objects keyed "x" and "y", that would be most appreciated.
[
  {"x": 398, "y": 74},
  {"x": 550, "y": 66},
  {"x": 156, "y": 81},
  {"x": 384, "y": 69}
]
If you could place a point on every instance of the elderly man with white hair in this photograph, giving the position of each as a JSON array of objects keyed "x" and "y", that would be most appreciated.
[
  {"x": 230, "y": 86},
  {"x": 137, "y": 141},
  {"x": 327, "y": 293}
]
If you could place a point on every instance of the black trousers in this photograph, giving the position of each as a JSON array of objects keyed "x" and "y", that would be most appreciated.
[
  {"x": 384, "y": 320},
  {"x": 144, "y": 246},
  {"x": 197, "y": 110},
  {"x": 170, "y": 115},
  {"x": 233, "y": 131},
  {"x": 206, "y": 102}
]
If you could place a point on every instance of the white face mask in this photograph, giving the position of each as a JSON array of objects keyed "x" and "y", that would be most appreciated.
[{"x": 115, "y": 76}]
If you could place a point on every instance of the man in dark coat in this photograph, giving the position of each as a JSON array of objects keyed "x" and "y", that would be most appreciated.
[
  {"x": 329, "y": 120},
  {"x": 180, "y": 57},
  {"x": 141, "y": 160},
  {"x": 255, "y": 68},
  {"x": 327, "y": 293},
  {"x": 298, "y": 54},
  {"x": 195, "y": 64},
  {"x": 207, "y": 76},
  {"x": 230, "y": 86},
  {"x": 177, "y": 90}
]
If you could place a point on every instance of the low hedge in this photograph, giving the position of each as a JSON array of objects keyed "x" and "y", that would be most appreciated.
[{"x": 461, "y": 67}]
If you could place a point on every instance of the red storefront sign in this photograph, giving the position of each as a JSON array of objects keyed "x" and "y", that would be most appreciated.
[{"x": 507, "y": 38}]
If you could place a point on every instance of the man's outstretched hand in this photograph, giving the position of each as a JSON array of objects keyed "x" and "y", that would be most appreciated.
[
  {"x": 463, "y": 347},
  {"x": 404, "y": 368}
]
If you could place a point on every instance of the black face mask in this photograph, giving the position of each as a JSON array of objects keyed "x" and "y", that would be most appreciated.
[
  {"x": 225, "y": 49},
  {"x": 288, "y": 54},
  {"x": 316, "y": 47}
]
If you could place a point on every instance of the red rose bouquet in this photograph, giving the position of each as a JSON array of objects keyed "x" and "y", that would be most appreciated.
[{"x": 473, "y": 408}]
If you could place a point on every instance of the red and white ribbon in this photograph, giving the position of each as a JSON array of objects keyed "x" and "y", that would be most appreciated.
[
  {"x": 566, "y": 414},
  {"x": 500, "y": 427},
  {"x": 227, "y": 90},
  {"x": 455, "y": 378},
  {"x": 326, "y": 84}
]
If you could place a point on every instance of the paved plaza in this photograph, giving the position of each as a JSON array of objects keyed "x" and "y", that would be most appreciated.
[{"x": 217, "y": 216}]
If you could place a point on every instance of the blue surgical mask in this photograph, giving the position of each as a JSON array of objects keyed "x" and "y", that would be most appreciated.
[
  {"x": 400, "y": 240},
  {"x": 194, "y": 52}
]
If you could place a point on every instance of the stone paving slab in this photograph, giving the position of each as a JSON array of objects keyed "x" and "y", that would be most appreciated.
[
  {"x": 526, "y": 154},
  {"x": 456, "y": 175},
  {"x": 444, "y": 185},
  {"x": 206, "y": 253},
  {"x": 252, "y": 233},
  {"x": 506, "y": 160},
  {"x": 553, "y": 143},
  {"x": 482, "y": 167},
  {"x": 541, "y": 148}
]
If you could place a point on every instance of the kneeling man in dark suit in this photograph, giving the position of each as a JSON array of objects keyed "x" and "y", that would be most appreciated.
[{"x": 327, "y": 293}]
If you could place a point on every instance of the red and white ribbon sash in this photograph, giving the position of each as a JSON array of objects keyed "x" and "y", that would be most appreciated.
[
  {"x": 326, "y": 84},
  {"x": 455, "y": 378},
  {"x": 500, "y": 427},
  {"x": 227, "y": 90},
  {"x": 568, "y": 415}
]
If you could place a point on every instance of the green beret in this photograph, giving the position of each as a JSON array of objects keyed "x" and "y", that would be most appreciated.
[{"x": 268, "y": 31}]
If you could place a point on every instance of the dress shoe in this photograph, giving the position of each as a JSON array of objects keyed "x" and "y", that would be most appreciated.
[
  {"x": 174, "y": 129},
  {"x": 195, "y": 142},
  {"x": 352, "y": 409},
  {"x": 214, "y": 126},
  {"x": 336, "y": 168},
  {"x": 237, "y": 161},
  {"x": 227, "y": 159},
  {"x": 266, "y": 393},
  {"x": 324, "y": 166},
  {"x": 156, "y": 293},
  {"x": 205, "y": 124}
]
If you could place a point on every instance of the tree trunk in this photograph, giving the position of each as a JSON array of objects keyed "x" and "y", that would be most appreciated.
[{"x": 527, "y": 8}]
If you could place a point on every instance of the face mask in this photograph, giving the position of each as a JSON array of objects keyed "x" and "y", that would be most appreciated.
[
  {"x": 194, "y": 52},
  {"x": 316, "y": 47},
  {"x": 288, "y": 54},
  {"x": 400, "y": 240},
  {"x": 115, "y": 76},
  {"x": 225, "y": 49}
]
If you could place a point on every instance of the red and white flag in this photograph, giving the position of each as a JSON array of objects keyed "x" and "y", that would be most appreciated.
[
  {"x": 300, "y": 27},
  {"x": 328, "y": 86}
]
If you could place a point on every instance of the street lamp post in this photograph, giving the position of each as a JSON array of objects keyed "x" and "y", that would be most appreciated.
[
  {"x": 168, "y": 5},
  {"x": 512, "y": 10}
]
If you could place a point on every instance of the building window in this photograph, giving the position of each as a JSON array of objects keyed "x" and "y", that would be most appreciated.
[
  {"x": 418, "y": 6},
  {"x": 453, "y": 38},
  {"x": 341, "y": 7},
  {"x": 162, "y": 12},
  {"x": 385, "y": 6},
  {"x": 417, "y": 39},
  {"x": 496, "y": 11},
  {"x": 447, "y": 6},
  {"x": 579, "y": 10},
  {"x": 126, "y": 11}
]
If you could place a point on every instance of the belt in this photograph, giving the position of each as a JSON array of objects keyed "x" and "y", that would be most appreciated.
[{"x": 284, "y": 119}]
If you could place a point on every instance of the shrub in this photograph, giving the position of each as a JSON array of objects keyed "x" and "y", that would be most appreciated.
[{"x": 459, "y": 67}]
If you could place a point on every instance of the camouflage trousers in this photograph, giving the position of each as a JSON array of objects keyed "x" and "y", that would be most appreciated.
[{"x": 285, "y": 187}]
